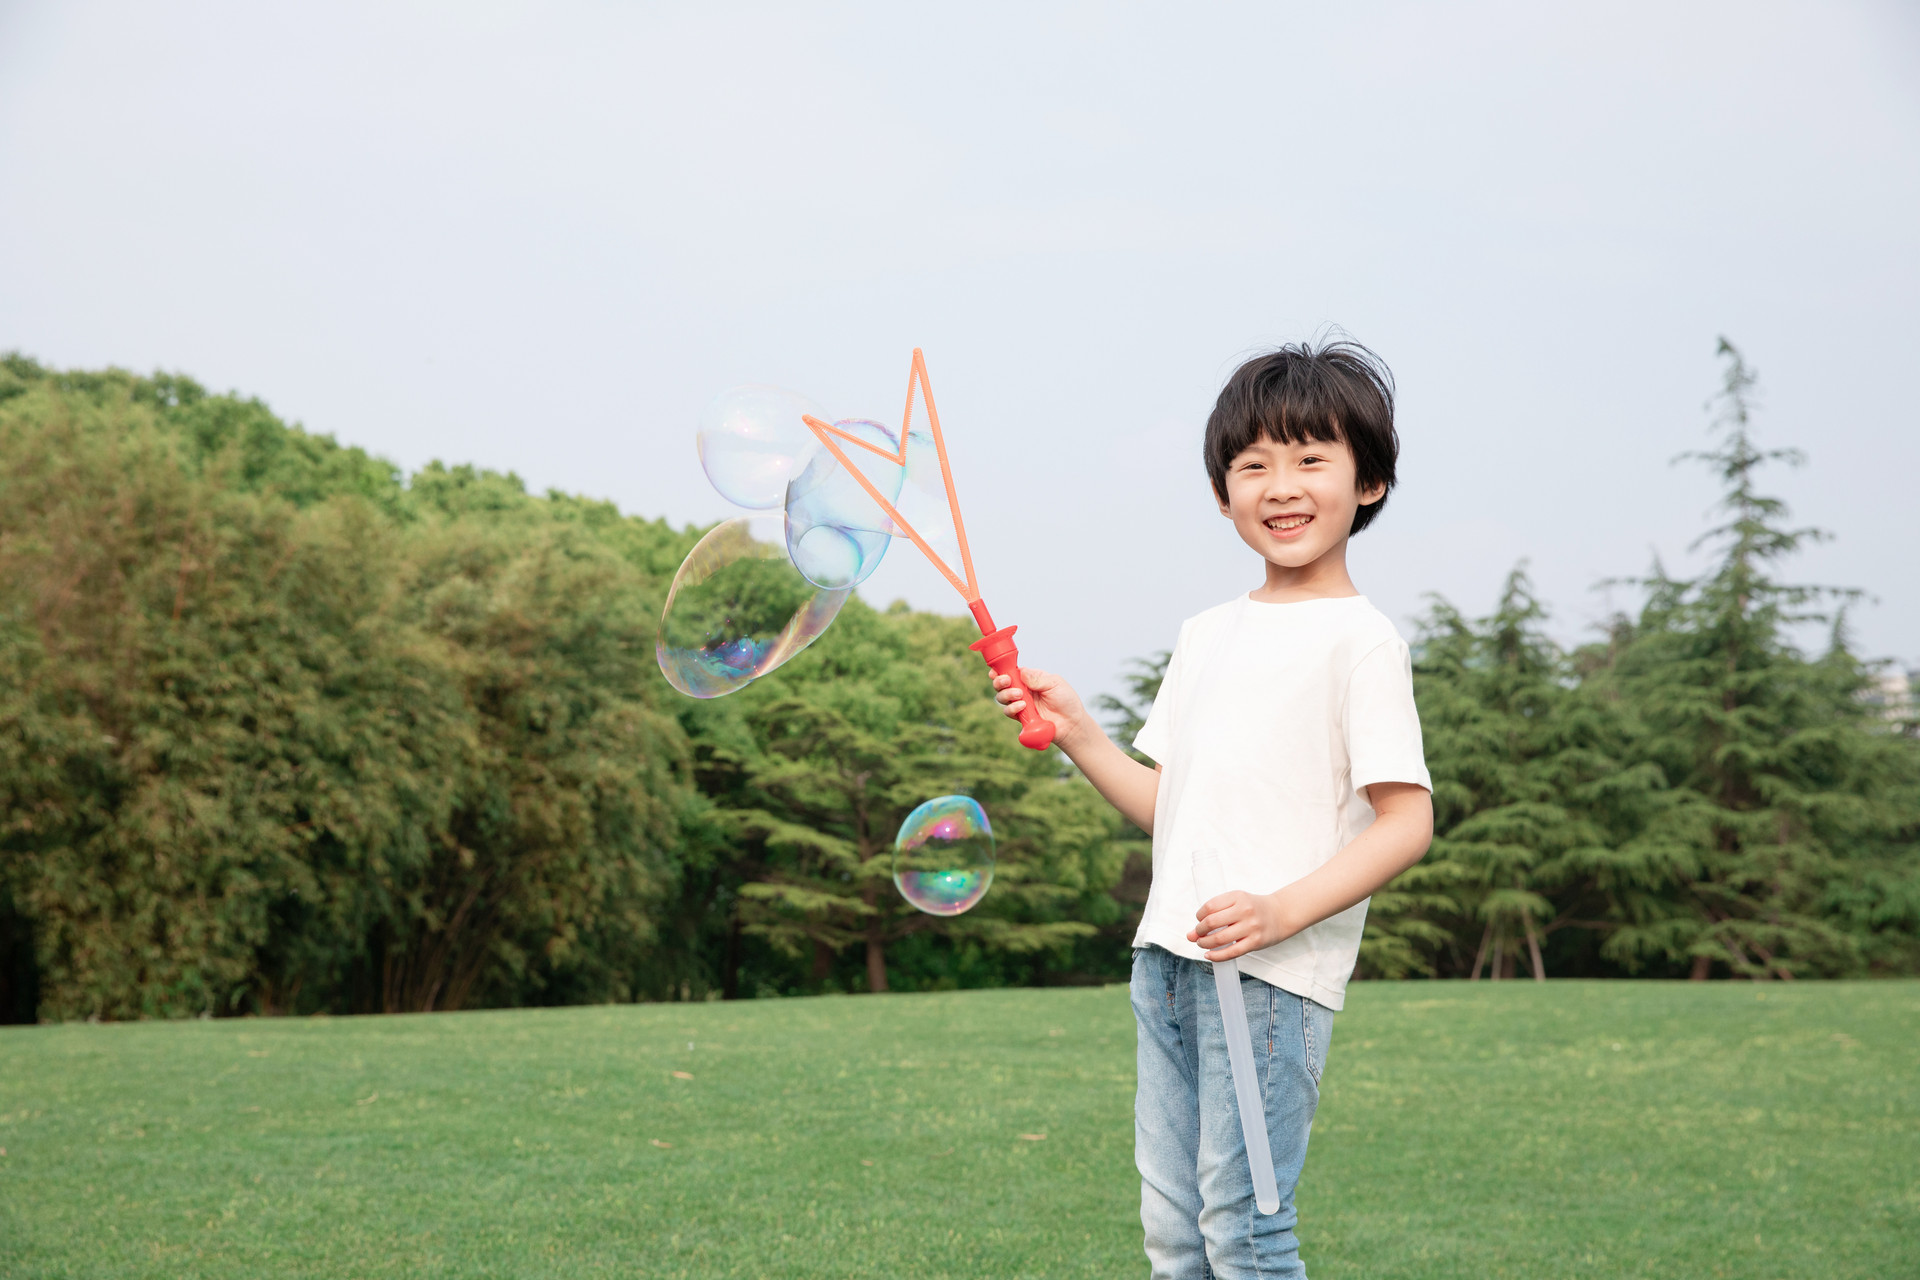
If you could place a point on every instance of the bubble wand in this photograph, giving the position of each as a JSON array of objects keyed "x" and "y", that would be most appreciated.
[{"x": 995, "y": 645}]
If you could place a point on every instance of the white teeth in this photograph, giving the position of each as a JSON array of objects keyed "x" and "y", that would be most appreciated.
[{"x": 1287, "y": 522}]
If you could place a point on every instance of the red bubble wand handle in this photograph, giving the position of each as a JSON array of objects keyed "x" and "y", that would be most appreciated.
[
  {"x": 1003, "y": 659},
  {"x": 995, "y": 644}
]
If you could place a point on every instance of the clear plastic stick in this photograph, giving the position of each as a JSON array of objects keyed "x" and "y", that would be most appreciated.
[{"x": 1209, "y": 881}]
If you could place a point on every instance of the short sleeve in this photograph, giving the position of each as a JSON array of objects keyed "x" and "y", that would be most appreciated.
[
  {"x": 1382, "y": 724},
  {"x": 1155, "y": 739}
]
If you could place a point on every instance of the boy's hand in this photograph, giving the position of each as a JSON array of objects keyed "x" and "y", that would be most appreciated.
[
  {"x": 1238, "y": 922},
  {"x": 1055, "y": 700}
]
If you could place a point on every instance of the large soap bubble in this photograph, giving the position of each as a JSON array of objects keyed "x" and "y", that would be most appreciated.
[
  {"x": 836, "y": 532},
  {"x": 753, "y": 442},
  {"x": 737, "y": 609},
  {"x": 943, "y": 857},
  {"x": 923, "y": 498}
]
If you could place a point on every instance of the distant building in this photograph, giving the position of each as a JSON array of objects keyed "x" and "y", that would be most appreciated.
[{"x": 1892, "y": 693}]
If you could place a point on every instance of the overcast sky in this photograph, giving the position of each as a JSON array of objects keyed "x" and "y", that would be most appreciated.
[{"x": 539, "y": 238}]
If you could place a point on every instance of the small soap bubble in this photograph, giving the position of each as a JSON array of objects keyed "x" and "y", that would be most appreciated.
[
  {"x": 943, "y": 857},
  {"x": 737, "y": 609},
  {"x": 836, "y": 532},
  {"x": 753, "y": 441}
]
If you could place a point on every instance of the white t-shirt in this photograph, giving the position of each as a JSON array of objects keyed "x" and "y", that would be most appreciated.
[{"x": 1271, "y": 719}]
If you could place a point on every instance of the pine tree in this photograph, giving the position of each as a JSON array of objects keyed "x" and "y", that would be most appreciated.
[
  {"x": 1126, "y": 716},
  {"x": 1770, "y": 778},
  {"x": 884, "y": 712},
  {"x": 1514, "y": 756}
]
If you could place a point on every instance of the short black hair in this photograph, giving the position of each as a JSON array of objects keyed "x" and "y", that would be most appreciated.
[{"x": 1339, "y": 392}]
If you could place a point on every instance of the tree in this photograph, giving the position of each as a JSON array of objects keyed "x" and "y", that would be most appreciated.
[
  {"x": 1772, "y": 775},
  {"x": 290, "y": 737},
  {"x": 1126, "y": 716},
  {"x": 283, "y": 731},
  {"x": 883, "y": 713},
  {"x": 205, "y": 678},
  {"x": 573, "y": 778},
  {"x": 1517, "y": 756}
]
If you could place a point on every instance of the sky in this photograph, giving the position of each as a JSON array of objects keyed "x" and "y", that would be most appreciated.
[{"x": 540, "y": 238}]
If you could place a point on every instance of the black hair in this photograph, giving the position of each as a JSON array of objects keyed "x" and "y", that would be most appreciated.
[{"x": 1339, "y": 392}]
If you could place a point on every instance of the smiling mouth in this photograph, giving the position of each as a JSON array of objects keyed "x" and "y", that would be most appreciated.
[{"x": 1288, "y": 523}]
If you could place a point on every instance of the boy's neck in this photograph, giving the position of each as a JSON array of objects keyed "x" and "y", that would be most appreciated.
[{"x": 1325, "y": 578}]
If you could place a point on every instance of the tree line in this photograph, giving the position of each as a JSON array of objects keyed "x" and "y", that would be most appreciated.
[
  {"x": 1691, "y": 794},
  {"x": 284, "y": 731}
]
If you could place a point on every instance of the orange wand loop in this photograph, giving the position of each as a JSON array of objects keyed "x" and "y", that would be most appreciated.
[{"x": 994, "y": 645}]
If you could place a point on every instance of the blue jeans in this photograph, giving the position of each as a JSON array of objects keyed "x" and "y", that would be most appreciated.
[{"x": 1196, "y": 1193}]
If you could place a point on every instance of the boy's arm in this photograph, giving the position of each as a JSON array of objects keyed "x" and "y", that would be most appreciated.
[
  {"x": 1235, "y": 923},
  {"x": 1128, "y": 785}
]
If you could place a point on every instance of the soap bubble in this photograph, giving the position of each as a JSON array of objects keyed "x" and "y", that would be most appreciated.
[
  {"x": 923, "y": 498},
  {"x": 836, "y": 532},
  {"x": 736, "y": 610},
  {"x": 943, "y": 857},
  {"x": 752, "y": 442}
]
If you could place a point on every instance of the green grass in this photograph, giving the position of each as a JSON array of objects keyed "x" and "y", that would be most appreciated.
[{"x": 1571, "y": 1129}]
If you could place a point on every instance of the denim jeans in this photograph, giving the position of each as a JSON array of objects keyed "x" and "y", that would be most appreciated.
[{"x": 1196, "y": 1193}]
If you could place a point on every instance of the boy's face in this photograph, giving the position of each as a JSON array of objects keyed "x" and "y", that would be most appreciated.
[{"x": 1293, "y": 503}]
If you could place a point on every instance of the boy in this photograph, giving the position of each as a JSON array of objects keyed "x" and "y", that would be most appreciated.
[{"x": 1288, "y": 745}]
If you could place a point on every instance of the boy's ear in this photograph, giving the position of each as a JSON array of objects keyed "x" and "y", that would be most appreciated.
[{"x": 1372, "y": 493}]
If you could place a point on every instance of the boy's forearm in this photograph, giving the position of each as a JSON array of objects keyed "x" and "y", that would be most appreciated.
[
  {"x": 1236, "y": 922},
  {"x": 1393, "y": 843},
  {"x": 1128, "y": 785}
]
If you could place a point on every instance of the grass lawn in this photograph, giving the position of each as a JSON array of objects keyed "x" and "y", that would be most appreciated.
[{"x": 1511, "y": 1129}]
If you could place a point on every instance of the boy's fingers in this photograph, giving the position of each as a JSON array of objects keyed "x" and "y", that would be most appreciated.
[
  {"x": 1233, "y": 942},
  {"x": 1235, "y": 934},
  {"x": 1211, "y": 915},
  {"x": 1225, "y": 935}
]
